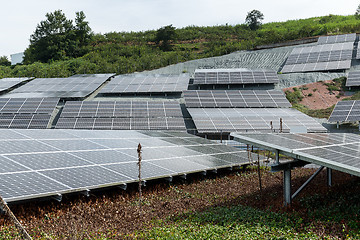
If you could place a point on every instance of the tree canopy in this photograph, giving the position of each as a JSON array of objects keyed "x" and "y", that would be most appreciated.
[
  {"x": 57, "y": 38},
  {"x": 163, "y": 37},
  {"x": 4, "y": 61},
  {"x": 253, "y": 19}
]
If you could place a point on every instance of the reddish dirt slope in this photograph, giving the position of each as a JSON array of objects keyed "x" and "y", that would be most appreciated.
[{"x": 320, "y": 97}]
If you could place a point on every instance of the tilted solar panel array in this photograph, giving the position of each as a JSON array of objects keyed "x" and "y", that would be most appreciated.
[
  {"x": 43, "y": 163},
  {"x": 130, "y": 115},
  {"x": 26, "y": 112},
  {"x": 7, "y": 83},
  {"x": 346, "y": 111},
  {"x": 139, "y": 83},
  {"x": 334, "y": 56},
  {"x": 78, "y": 87},
  {"x": 338, "y": 151},
  {"x": 353, "y": 79},
  {"x": 234, "y": 76},
  {"x": 337, "y": 38},
  {"x": 217, "y": 120},
  {"x": 235, "y": 99}
]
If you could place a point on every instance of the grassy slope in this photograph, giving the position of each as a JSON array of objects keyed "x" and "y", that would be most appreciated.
[{"x": 136, "y": 51}]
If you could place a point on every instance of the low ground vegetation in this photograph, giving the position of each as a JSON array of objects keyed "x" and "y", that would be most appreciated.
[{"x": 227, "y": 205}]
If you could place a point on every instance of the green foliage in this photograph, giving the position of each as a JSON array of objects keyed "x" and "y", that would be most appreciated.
[
  {"x": 4, "y": 61},
  {"x": 253, "y": 19},
  {"x": 316, "y": 113},
  {"x": 56, "y": 38},
  {"x": 230, "y": 223},
  {"x": 337, "y": 84},
  {"x": 357, "y": 13},
  {"x": 126, "y": 52},
  {"x": 163, "y": 37},
  {"x": 294, "y": 96}
]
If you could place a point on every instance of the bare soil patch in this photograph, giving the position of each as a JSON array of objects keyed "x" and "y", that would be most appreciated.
[{"x": 317, "y": 96}]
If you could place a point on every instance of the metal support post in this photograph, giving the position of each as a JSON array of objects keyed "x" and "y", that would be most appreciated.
[
  {"x": 277, "y": 161},
  {"x": 337, "y": 124},
  {"x": 287, "y": 187},
  {"x": 329, "y": 176}
]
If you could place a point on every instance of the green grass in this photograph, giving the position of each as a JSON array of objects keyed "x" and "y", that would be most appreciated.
[
  {"x": 316, "y": 113},
  {"x": 294, "y": 96},
  {"x": 238, "y": 222}
]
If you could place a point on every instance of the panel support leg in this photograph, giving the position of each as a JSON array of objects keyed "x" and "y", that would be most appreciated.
[
  {"x": 287, "y": 187},
  {"x": 277, "y": 156},
  {"x": 337, "y": 124},
  {"x": 329, "y": 176}
]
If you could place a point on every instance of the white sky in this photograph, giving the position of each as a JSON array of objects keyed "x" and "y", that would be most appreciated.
[{"x": 20, "y": 17}]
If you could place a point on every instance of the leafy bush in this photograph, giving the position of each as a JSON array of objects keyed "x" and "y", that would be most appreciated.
[{"x": 294, "y": 97}]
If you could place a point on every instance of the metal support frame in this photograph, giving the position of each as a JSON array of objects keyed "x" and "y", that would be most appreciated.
[
  {"x": 2, "y": 212},
  {"x": 337, "y": 125},
  {"x": 307, "y": 182},
  {"x": 123, "y": 186},
  {"x": 277, "y": 156},
  {"x": 169, "y": 179},
  {"x": 287, "y": 186},
  {"x": 57, "y": 197},
  {"x": 329, "y": 176}
]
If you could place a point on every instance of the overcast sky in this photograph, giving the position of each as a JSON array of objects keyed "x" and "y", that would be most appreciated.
[{"x": 20, "y": 17}]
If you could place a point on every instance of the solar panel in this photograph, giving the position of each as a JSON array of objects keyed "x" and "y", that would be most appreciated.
[
  {"x": 72, "y": 87},
  {"x": 131, "y": 115},
  {"x": 215, "y": 120},
  {"x": 234, "y": 76},
  {"x": 337, "y": 38},
  {"x": 336, "y": 56},
  {"x": 314, "y": 67},
  {"x": 235, "y": 98},
  {"x": 346, "y": 111},
  {"x": 353, "y": 79},
  {"x": 42, "y": 163},
  {"x": 26, "y": 112},
  {"x": 7, "y": 83},
  {"x": 140, "y": 83},
  {"x": 339, "y": 151}
]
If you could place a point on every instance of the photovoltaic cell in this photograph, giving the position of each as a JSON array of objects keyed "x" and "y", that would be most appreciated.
[
  {"x": 140, "y": 83},
  {"x": 339, "y": 151},
  {"x": 7, "y": 83},
  {"x": 217, "y": 120},
  {"x": 72, "y": 87},
  {"x": 41, "y": 163},
  {"x": 26, "y": 112},
  {"x": 353, "y": 79},
  {"x": 346, "y": 111},
  {"x": 337, "y": 38},
  {"x": 234, "y": 76},
  {"x": 235, "y": 99},
  {"x": 122, "y": 115},
  {"x": 335, "y": 56}
]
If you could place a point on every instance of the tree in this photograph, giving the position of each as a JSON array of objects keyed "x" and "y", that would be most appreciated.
[
  {"x": 4, "y": 61},
  {"x": 163, "y": 37},
  {"x": 357, "y": 13},
  {"x": 253, "y": 19},
  {"x": 56, "y": 38}
]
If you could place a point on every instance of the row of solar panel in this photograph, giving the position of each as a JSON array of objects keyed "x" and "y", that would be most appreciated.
[
  {"x": 235, "y": 98},
  {"x": 319, "y": 57},
  {"x": 39, "y": 164},
  {"x": 243, "y": 120},
  {"x": 141, "y": 123},
  {"x": 219, "y": 76},
  {"x": 323, "y": 48},
  {"x": 313, "y": 67},
  {"x": 337, "y": 38},
  {"x": 353, "y": 79}
]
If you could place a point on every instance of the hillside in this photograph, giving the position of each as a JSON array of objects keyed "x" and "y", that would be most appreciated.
[{"x": 127, "y": 52}]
